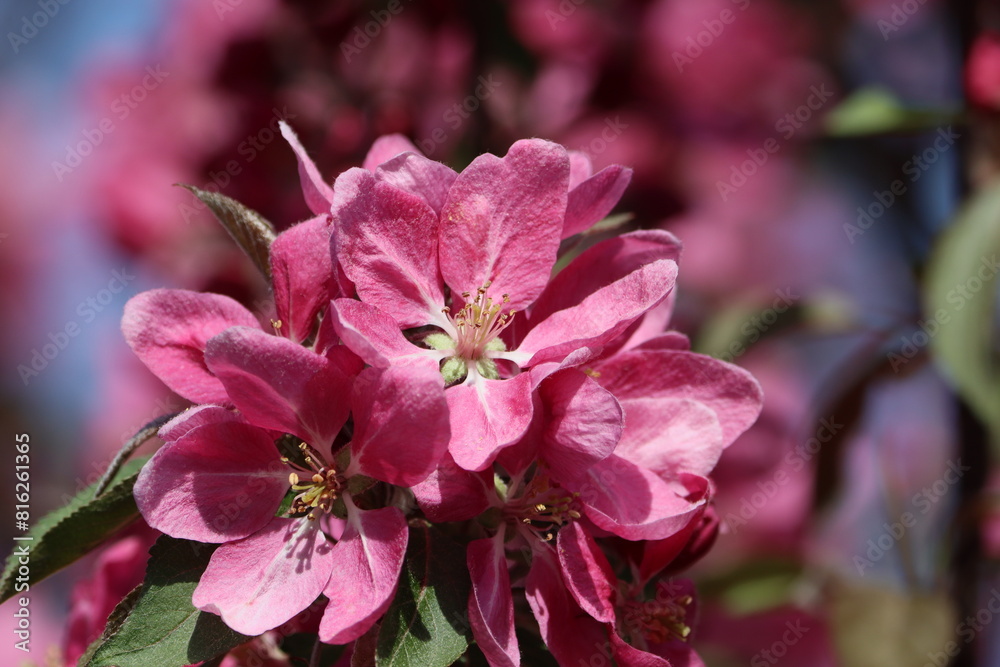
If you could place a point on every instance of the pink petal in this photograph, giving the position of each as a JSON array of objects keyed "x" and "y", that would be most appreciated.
[
  {"x": 281, "y": 385},
  {"x": 602, "y": 265},
  {"x": 168, "y": 330},
  {"x": 196, "y": 417},
  {"x": 375, "y": 336},
  {"x": 601, "y": 316},
  {"x": 302, "y": 272},
  {"x": 671, "y": 436},
  {"x": 451, "y": 493},
  {"x": 503, "y": 220},
  {"x": 580, "y": 168},
  {"x": 486, "y": 416},
  {"x": 670, "y": 340},
  {"x": 318, "y": 195},
  {"x": 387, "y": 243},
  {"x": 367, "y": 562},
  {"x": 218, "y": 482},
  {"x": 727, "y": 390},
  {"x": 387, "y": 147},
  {"x": 573, "y": 637},
  {"x": 628, "y": 656},
  {"x": 593, "y": 199},
  {"x": 634, "y": 503},
  {"x": 584, "y": 423},
  {"x": 491, "y": 605},
  {"x": 651, "y": 329},
  {"x": 686, "y": 547},
  {"x": 587, "y": 572},
  {"x": 400, "y": 423},
  {"x": 264, "y": 580},
  {"x": 419, "y": 176}
]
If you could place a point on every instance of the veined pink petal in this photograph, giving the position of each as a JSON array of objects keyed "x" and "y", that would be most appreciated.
[
  {"x": 671, "y": 436},
  {"x": 491, "y": 605},
  {"x": 375, "y": 336},
  {"x": 400, "y": 423},
  {"x": 318, "y": 195},
  {"x": 264, "y": 580},
  {"x": 367, "y": 562},
  {"x": 451, "y": 493},
  {"x": 587, "y": 572},
  {"x": 302, "y": 272},
  {"x": 729, "y": 391},
  {"x": 629, "y": 656},
  {"x": 196, "y": 417},
  {"x": 218, "y": 482},
  {"x": 572, "y": 635},
  {"x": 600, "y": 266},
  {"x": 168, "y": 329},
  {"x": 601, "y": 316},
  {"x": 634, "y": 503},
  {"x": 486, "y": 416},
  {"x": 387, "y": 147},
  {"x": 503, "y": 219},
  {"x": 413, "y": 173},
  {"x": 593, "y": 199},
  {"x": 281, "y": 385},
  {"x": 387, "y": 244},
  {"x": 583, "y": 425}
]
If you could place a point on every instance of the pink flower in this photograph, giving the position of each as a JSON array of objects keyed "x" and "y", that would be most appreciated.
[
  {"x": 221, "y": 479},
  {"x": 463, "y": 254},
  {"x": 671, "y": 413},
  {"x": 982, "y": 72}
]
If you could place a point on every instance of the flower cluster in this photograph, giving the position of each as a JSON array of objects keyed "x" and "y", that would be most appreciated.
[{"x": 426, "y": 365}]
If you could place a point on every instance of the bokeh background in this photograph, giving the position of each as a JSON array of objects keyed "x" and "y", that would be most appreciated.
[{"x": 828, "y": 165}]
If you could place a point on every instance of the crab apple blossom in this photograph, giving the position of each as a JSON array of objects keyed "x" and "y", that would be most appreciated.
[
  {"x": 427, "y": 367},
  {"x": 465, "y": 259}
]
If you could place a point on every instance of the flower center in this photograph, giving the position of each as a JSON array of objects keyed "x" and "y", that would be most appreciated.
[
  {"x": 477, "y": 329},
  {"x": 318, "y": 488},
  {"x": 659, "y": 620},
  {"x": 542, "y": 508}
]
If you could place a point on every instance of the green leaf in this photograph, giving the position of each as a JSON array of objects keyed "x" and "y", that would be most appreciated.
[
  {"x": 67, "y": 534},
  {"x": 960, "y": 303},
  {"x": 875, "y": 110},
  {"x": 251, "y": 231},
  {"x": 162, "y": 627},
  {"x": 427, "y": 624}
]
